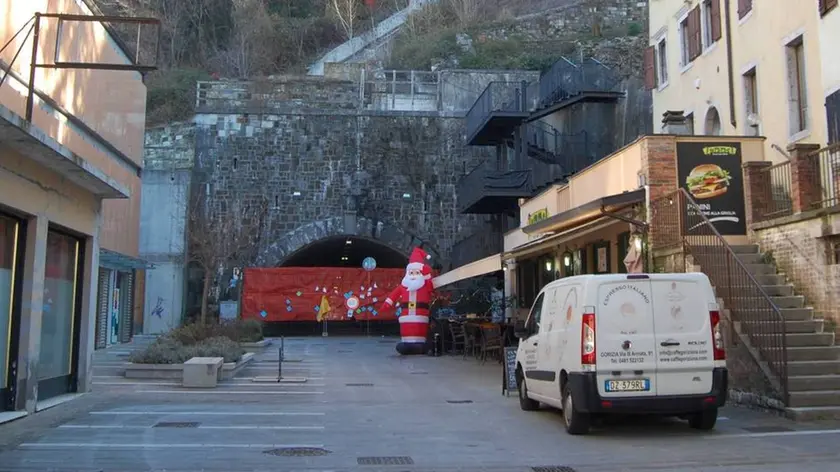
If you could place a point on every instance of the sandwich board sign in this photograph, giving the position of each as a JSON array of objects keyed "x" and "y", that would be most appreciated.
[{"x": 711, "y": 173}]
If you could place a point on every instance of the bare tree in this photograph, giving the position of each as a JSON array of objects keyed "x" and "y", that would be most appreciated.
[
  {"x": 468, "y": 12},
  {"x": 345, "y": 13},
  {"x": 223, "y": 234}
]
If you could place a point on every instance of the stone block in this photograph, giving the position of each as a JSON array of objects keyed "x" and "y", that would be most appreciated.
[{"x": 203, "y": 372}]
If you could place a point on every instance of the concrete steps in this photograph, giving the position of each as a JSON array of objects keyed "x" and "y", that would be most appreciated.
[{"x": 813, "y": 357}]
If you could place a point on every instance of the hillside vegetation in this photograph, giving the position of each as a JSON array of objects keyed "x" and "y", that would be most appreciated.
[{"x": 201, "y": 39}]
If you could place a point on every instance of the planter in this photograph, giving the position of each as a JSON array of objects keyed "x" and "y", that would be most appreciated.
[
  {"x": 257, "y": 346},
  {"x": 176, "y": 371}
]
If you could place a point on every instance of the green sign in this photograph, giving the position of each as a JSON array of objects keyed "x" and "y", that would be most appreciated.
[{"x": 538, "y": 216}]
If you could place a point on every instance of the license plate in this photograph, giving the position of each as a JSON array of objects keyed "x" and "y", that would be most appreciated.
[{"x": 636, "y": 385}]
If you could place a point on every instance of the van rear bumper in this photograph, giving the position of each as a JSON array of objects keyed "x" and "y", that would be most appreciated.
[{"x": 584, "y": 387}]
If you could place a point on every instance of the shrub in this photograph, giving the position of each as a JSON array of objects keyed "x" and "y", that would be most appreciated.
[
  {"x": 240, "y": 331},
  {"x": 167, "y": 350},
  {"x": 634, "y": 29},
  {"x": 243, "y": 331}
]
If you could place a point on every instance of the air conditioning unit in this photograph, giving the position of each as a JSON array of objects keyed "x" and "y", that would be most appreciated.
[{"x": 753, "y": 120}]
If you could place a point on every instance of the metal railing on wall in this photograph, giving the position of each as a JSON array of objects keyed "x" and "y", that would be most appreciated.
[
  {"x": 571, "y": 151},
  {"x": 498, "y": 97},
  {"x": 677, "y": 221},
  {"x": 483, "y": 243},
  {"x": 401, "y": 90},
  {"x": 566, "y": 79},
  {"x": 776, "y": 188},
  {"x": 825, "y": 170}
]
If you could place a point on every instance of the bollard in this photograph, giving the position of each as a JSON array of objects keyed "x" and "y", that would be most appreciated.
[
  {"x": 437, "y": 344},
  {"x": 280, "y": 360}
]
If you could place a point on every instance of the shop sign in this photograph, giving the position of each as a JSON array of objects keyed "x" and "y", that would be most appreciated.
[
  {"x": 538, "y": 216},
  {"x": 711, "y": 173}
]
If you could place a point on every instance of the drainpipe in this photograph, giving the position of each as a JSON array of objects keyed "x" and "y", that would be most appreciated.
[{"x": 728, "y": 20}]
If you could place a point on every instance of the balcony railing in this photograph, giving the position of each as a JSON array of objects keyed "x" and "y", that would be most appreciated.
[
  {"x": 545, "y": 143},
  {"x": 501, "y": 106},
  {"x": 775, "y": 188},
  {"x": 825, "y": 172},
  {"x": 485, "y": 242},
  {"x": 488, "y": 191},
  {"x": 566, "y": 80}
]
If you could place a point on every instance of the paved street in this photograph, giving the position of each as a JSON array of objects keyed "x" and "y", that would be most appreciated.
[{"x": 363, "y": 401}]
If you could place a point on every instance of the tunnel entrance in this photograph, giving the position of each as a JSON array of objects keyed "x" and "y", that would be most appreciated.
[
  {"x": 331, "y": 270},
  {"x": 350, "y": 251}
]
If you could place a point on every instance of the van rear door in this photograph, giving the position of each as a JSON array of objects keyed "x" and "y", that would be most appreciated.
[
  {"x": 624, "y": 337},
  {"x": 684, "y": 349}
]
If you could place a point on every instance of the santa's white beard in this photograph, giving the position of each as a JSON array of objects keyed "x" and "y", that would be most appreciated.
[{"x": 413, "y": 284}]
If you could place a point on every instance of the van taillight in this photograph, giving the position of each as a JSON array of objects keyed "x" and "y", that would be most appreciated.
[
  {"x": 717, "y": 336},
  {"x": 587, "y": 339}
]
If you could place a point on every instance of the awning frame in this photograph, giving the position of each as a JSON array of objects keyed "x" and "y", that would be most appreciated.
[
  {"x": 120, "y": 262},
  {"x": 610, "y": 206}
]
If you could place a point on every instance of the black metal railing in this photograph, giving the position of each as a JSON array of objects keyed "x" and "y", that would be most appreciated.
[
  {"x": 775, "y": 199},
  {"x": 571, "y": 151},
  {"x": 510, "y": 97},
  {"x": 825, "y": 171},
  {"x": 484, "y": 243},
  {"x": 566, "y": 79},
  {"x": 474, "y": 186},
  {"x": 677, "y": 221}
]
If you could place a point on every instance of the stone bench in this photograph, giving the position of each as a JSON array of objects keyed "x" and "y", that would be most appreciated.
[{"x": 203, "y": 372}]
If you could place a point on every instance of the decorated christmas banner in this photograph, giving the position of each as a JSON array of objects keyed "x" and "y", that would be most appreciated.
[{"x": 318, "y": 293}]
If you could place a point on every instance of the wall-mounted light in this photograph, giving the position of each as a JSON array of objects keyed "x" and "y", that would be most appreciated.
[
  {"x": 295, "y": 193},
  {"x": 345, "y": 258},
  {"x": 548, "y": 266},
  {"x": 406, "y": 196},
  {"x": 504, "y": 269},
  {"x": 567, "y": 260},
  {"x": 348, "y": 242}
]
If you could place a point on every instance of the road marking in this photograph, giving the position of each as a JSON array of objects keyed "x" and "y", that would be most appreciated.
[
  {"x": 210, "y": 413},
  {"x": 812, "y": 432},
  {"x": 222, "y": 386},
  {"x": 83, "y": 426},
  {"x": 99, "y": 445},
  {"x": 228, "y": 392}
]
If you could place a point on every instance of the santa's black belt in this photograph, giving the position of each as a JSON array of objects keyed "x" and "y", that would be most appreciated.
[{"x": 420, "y": 305}]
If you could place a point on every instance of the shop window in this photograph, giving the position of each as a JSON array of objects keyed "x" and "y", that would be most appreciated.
[
  {"x": 579, "y": 262},
  {"x": 601, "y": 253},
  {"x": 9, "y": 236}
]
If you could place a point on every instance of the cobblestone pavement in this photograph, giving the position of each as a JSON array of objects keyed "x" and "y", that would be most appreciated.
[{"x": 361, "y": 401}]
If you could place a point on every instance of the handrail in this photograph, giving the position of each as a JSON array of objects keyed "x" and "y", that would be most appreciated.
[{"x": 676, "y": 219}]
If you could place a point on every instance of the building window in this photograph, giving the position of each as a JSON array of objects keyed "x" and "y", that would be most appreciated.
[
  {"x": 832, "y": 110},
  {"x": 826, "y": 6},
  {"x": 661, "y": 64},
  {"x": 685, "y": 42},
  {"x": 710, "y": 14},
  {"x": 744, "y": 7},
  {"x": 751, "y": 102},
  {"x": 797, "y": 87},
  {"x": 689, "y": 122}
]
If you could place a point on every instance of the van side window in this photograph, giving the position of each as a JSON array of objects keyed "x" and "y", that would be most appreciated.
[{"x": 536, "y": 313}]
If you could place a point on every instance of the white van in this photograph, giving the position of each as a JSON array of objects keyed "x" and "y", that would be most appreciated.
[{"x": 624, "y": 343}]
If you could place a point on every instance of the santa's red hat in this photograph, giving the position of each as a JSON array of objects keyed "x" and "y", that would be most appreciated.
[{"x": 419, "y": 261}]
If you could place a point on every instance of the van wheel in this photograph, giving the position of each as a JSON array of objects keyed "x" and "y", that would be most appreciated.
[
  {"x": 525, "y": 403},
  {"x": 703, "y": 420},
  {"x": 576, "y": 422}
]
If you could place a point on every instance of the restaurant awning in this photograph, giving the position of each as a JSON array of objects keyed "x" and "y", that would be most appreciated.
[
  {"x": 120, "y": 262},
  {"x": 578, "y": 221},
  {"x": 601, "y": 207},
  {"x": 488, "y": 265}
]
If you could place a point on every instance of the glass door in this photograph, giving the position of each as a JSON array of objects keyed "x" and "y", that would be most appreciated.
[
  {"x": 11, "y": 261},
  {"x": 57, "y": 372}
]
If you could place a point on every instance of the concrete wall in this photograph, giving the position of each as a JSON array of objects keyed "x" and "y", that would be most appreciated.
[{"x": 163, "y": 243}]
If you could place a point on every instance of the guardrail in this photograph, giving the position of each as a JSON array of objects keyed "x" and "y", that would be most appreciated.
[
  {"x": 570, "y": 151},
  {"x": 825, "y": 173},
  {"x": 511, "y": 97},
  {"x": 566, "y": 79}
]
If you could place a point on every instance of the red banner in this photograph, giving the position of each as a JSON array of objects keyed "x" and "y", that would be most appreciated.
[{"x": 315, "y": 293}]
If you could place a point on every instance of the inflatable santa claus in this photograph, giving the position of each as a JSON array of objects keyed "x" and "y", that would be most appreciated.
[{"x": 414, "y": 296}]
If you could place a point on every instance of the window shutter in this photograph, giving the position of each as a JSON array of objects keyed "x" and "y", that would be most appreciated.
[
  {"x": 826, "y": 6},
  {"x": 695, "y": 34},
  {"x": 744, "y": 7},
  {"x": 650, "y": 68},
  {"x": 102, "y": 308},
  {"x": 716, "y": 32}
]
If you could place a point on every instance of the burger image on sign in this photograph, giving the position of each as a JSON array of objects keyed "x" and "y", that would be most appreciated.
[{"x": 707, "y": 181}]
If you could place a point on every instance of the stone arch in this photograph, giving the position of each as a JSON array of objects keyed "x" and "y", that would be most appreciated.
[
  {"x": 383, "y": 233},
  {"x": 712, "y": 123}
]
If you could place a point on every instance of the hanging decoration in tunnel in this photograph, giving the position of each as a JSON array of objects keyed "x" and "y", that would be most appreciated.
[
  {"x": 369, "y": 264},
  {"x": 298, "y": 293}
]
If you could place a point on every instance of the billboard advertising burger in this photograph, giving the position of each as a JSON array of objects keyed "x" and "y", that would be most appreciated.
[{"x": 711, "y": 173}]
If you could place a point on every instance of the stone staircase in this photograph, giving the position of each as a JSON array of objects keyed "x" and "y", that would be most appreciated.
[{"x": 813, "y": 355}]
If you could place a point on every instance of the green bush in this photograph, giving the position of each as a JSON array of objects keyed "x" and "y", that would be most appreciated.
[
  {"x": 171, "y": 94},
  {"x": 240, "y": 331},
  {"x": 167, "y": 350},
  {"x": 634, "y": 29},
  {"x": 418, "y": 52}
]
